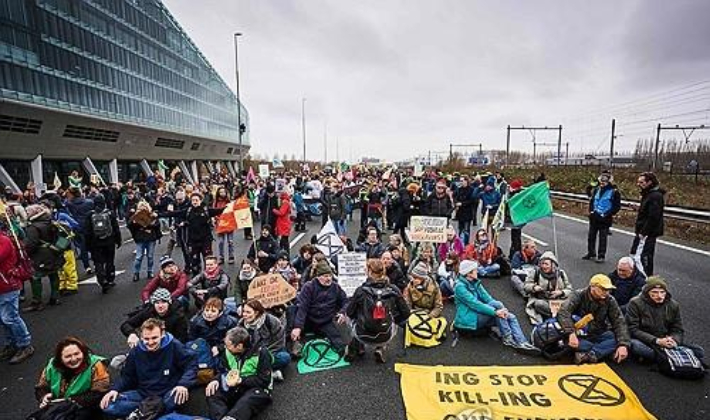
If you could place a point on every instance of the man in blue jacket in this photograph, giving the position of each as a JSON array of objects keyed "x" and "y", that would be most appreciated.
[
  {"x": 604, "y": 203},
  {"x": 159, "y": 366},
  {"x": 80, "y": 209}
]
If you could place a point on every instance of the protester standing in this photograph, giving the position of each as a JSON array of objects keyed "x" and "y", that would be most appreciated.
[{"x": 649, "y": 219}]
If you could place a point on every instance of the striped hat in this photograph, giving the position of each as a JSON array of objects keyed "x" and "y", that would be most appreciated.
[{"x": 421, "y": 270}]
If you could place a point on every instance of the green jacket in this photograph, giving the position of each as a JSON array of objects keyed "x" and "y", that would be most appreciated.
[{"x": 472, "y": 299}]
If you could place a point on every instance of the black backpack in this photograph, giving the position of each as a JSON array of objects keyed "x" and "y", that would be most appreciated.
[
  {"x": 679, "y": 362},
  {"x": 376, "y": 319},
  {"x": 549, "y": 337},
  {"x": 101, "y": 224}
]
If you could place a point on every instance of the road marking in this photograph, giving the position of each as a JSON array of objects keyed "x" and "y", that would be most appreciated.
[
  {"x": 537, "y": 241},
  {"x": 93, "y": 280},
  {"x": 296, "y": 239},
  {"x": 128, "y": 240},
  {"x": 626, "y": 232}
]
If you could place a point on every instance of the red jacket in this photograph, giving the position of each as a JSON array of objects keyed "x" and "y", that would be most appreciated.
[
  {"x": 283, "y": 217},
  {"x": 8, "y": 259},
  {"x": 177, "y": 285}
]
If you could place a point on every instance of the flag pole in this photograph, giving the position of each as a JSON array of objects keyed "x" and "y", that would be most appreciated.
[{"x": 554, "y": 235}]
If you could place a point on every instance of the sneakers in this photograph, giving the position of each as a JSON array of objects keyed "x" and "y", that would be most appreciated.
[
  {"x": 34, "y": 306},
  {"x": 22, "y": 354},
  {"x": 527, "y": 349},
  {"x": 277, "y": 376},
  {"x": 380, "y": 355},
  {"x": 136, "y": 277},
  {"x": 599, "y": 260},
  {"x": 581, "y": 358},
  {"x": 588, "y": 256},
  {"x": 7, "y": 352},
  {"x": 89, "y": 271},
  {"x": 508, "y": 341}
]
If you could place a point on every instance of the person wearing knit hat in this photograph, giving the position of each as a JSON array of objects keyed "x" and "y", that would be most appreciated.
[
  {"x": 655, "y": 323},
  {"x": 547, "y": 283},
  {"x": 169, "y": 277},
  {"x": 424, "y": 298},
  {"x": 161, "y": 294},
  {"x": 604, "y": 203},
  {"x": 477, "y": 310},
  {"x": 599, "y": 312}
]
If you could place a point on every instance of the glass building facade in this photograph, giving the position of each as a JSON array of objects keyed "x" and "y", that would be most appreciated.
[{"x": 124, "y": 60}]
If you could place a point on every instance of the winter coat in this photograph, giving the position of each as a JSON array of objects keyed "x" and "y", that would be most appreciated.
[
  {"x": 8, "y": 260},
  {"x": 255, "y": 368},
  {"x": 335, "y": 206},
  {"x": 402, "y": 207},
  {"x": 597, "y": 194},
  {"x": 456, "y": 246},
  {"x": 268, "y": 245},
  {"x": 427, "y": 297},
  {"x": 398, "y": 306},
  {"x": 283, "y": 217},
  {"x": 80, "y": 209},
  {"x": 396, "y": 276},
  {"x": 485, "y": 258},
  {"x": 519, "y": 259},
  {"x": 175, "y": 321},
  {"x": 319, "y": 304},
  {"x": 626, "y": 289},
  {"x": 606, "y": 313},
  {"x": 649, "y": 220},
  {"x": 472, "y": 300},
  {"x": 266, "y": 206},
  {"x": 267, "y": 331},
  {"x": 438, "y": 206},
  {"x": 177, "y": 285},
  {"x": 212, "y": 332},
  {"x": 464, "y": 195},
  {"x": 92, "y": 242},
  {"x": 649, "y": 320},
  {"x": 215, "y": 287},
  {"x": 199, "y": 225},
  {"x": 539, "y": 279},
  {"x": 40, "y": 232},
  {"x": 490, "y": 201},
  {"x": 158, "y": 372},
  {"x": 371, "y": 250}
]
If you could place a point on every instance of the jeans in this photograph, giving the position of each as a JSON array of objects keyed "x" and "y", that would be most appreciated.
[
  {"x": 281, "y": 359},
  {"x": 640, "y": 349},
  {"x": 509, "y": 327},
  {"x": 149, "y": 249},
  {"x": 37, "y": 285},
  {"x": 339, "y": 226},
  {"x": 447, "y": 290},
  {"x": 80, "y": 242},
  {"x": 222, "y": 238},
  {"x": 602, "y": 345},
  {"x": 490, "y": 270},
  {"x": 16, "y": 333},
  {"x": 465, "y": 231},
  {"x": 597, "y": 230},
  {"x": 128, "y": 401}
]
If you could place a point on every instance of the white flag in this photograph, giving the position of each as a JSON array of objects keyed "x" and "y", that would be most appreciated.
[{"x": 329, "y": 242}]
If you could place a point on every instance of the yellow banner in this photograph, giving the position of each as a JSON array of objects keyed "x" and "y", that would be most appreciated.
[{"x": 590, "y": 392}]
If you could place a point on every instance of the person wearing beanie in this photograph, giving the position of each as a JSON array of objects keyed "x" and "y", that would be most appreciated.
[
  {"x": 547, "y": 283},
  {"x": 628, "y": 280},
  {"x": 424, "y": 252},
  {"x": 159, "y": 306},
  {"x": 284, "y": 268},
  {"x": 477, "y": 310},
  {"x": 655, "y": 322},
  {"x": 604, "y": 203},
  {"x": 424, "y": 299},
  {"x": 606, "y": 331},
  {"x": 45, "y": 260},
  {"x": 169, "y": 277},
  {"x": 211, "y": 282},
  {"x": 319, "y": 305}
]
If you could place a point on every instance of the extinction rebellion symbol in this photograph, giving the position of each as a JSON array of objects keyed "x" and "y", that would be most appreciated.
[
  {"x": 530, "y": 202},
  {"x": 591, "y": 389}
]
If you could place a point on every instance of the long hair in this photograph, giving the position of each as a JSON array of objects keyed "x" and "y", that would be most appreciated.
[{"x": 66, "y": 342}]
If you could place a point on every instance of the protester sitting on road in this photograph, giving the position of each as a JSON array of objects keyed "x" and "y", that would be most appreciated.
[
  {"x": 243, "y": 389},
  {"x": 424, "y": 299},
  {"x": 372, "y": 247},
  {"x": 375, "y": 310},
  {"x": 45, "y": 260},
  {"x": 158, "y": 366},
  {"x": 211, "y": 324},
  {"x": 319, "y": 304},
  {"x": 283, "y": 267},
  {"x": 476, "y": 310},
  {"x": 248, "y": 272},
  {"x": 169, "y": 277},
  {"x": 485, "y": 253},
  {"x": 529, "y": 255},
  {"x": 393, "y": 271},
  {"x": 426, "y": 255},
  {"x": 547, "y": 283},
  {"x": 211, "y": 282},
  {"x": 304, "y": 259},
  {"x": 266, "y": 330},
  {"x": 453, "y": 244},
  {"x": 145, "y": 229},
  {"x": 448, "y": 274},
  {"x": 655, "y": 322},
  {"x": 395, "y": 241},
  {"x": 606, "y": 331},
  {"x": 74, "y": 375},
  {"x": 264, "y": 250},
  {"x": 162, "y": 307},
  {"x": 628, "y": 282}
]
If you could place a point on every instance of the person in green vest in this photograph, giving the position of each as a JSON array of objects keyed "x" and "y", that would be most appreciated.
[
  {"x": 75, "y": 374},
  {"x": 243, "y": 388}
]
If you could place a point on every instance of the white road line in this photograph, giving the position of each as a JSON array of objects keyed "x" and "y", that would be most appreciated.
[
  {"x": 537, "y": 241},
  {"x": 296, "y": 239},
  {"x": 93, "y": 280},
  {"x": 127, "y": 241},
  {"x": 626, "y": 232}
]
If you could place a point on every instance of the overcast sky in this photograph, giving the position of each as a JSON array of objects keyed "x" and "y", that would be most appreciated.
[{"x": 393, "y": 79}]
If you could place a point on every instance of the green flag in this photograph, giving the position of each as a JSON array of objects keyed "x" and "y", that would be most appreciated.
[
  {"x": 531, "y": 204},
  {"x": 318, "y": 355}
]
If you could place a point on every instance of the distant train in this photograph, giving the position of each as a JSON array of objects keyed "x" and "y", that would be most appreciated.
[{"x": 591, "y": 160}]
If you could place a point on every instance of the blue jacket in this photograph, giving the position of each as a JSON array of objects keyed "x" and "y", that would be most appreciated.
[
  {"x": 299, "y": 203},
  {"x": 80, "y": 208},
  {"x": 490, "y": 198},
  {"x": 212, "y": 332},
  {"x": 627, "y": 288},
  {"x": 158, "y": 372},
  {"x": 472, "y": 299},
  {"x": 63, "y": 217},
  {"x": 319, "y": 304},
  {"x": 519, "y": 261}
]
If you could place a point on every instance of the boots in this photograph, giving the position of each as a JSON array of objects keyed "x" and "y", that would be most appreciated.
[{"x": 22, "y": 354}]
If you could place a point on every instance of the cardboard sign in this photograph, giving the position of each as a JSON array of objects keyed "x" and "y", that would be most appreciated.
[
  {"x": 280, "y": 185},
  {"x": 352, "y": 271},
  {"x": 428, "y": 229},
  {"x": 271, "y": 290},
  {"x": 517, "y": 392},
  {"x": 264, "y": 170},
  {"x": 555, "y": 306}
]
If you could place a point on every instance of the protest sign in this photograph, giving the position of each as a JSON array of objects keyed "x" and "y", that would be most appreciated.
[
  {"x": 428, "y": 229},
  {"x": 352, "y": 271},
  {"x": 517, "y": 392},
  {"x": 264, "y": 170},
  {"x": 271, "y": 290},
  {"x": 280, "y": 185}
]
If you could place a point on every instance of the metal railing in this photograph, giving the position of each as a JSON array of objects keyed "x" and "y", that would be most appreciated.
[{"x": 671, "y": 212}]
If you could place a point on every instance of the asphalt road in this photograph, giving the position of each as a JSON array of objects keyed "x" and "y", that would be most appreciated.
[{"x": 367, "y": 390}]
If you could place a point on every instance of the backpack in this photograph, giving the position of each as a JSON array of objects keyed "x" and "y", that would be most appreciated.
[
  {"x": 375, "y": 321},
  {"x": 62, "y": 235},
  {"x": 61, "y": 410},
  {"x": 549, "y": 337},
  {"x": 101, "y": 224},
  {"x": 679, "y": 362}
]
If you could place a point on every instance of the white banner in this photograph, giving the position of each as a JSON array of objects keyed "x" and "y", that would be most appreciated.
[
  {"x": 428, "y": 229},
  {"x": 352, "y": 271}
]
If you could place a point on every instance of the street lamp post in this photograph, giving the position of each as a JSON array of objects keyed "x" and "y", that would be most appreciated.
[
  {"x": 239, "y": 100},
  {"x": 303, "y": 125}
]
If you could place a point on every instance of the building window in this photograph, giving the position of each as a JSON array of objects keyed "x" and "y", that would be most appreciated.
[
  {"x": 90, "y": 133},
  {"x": 229, "y": 150},
  {"x": 195, "y": 146},
  {"x": 19, "y": 124},
  {"x": 169, "y": 143}
]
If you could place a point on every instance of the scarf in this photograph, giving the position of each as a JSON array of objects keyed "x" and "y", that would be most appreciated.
[
  {"x": 212, "y": 274},
  {"x": 247, "y": 275},
  {"x": 257, "y": 324}
]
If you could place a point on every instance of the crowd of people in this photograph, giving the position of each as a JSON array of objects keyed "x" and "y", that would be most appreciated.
[{"x": 195, "y": 325}]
